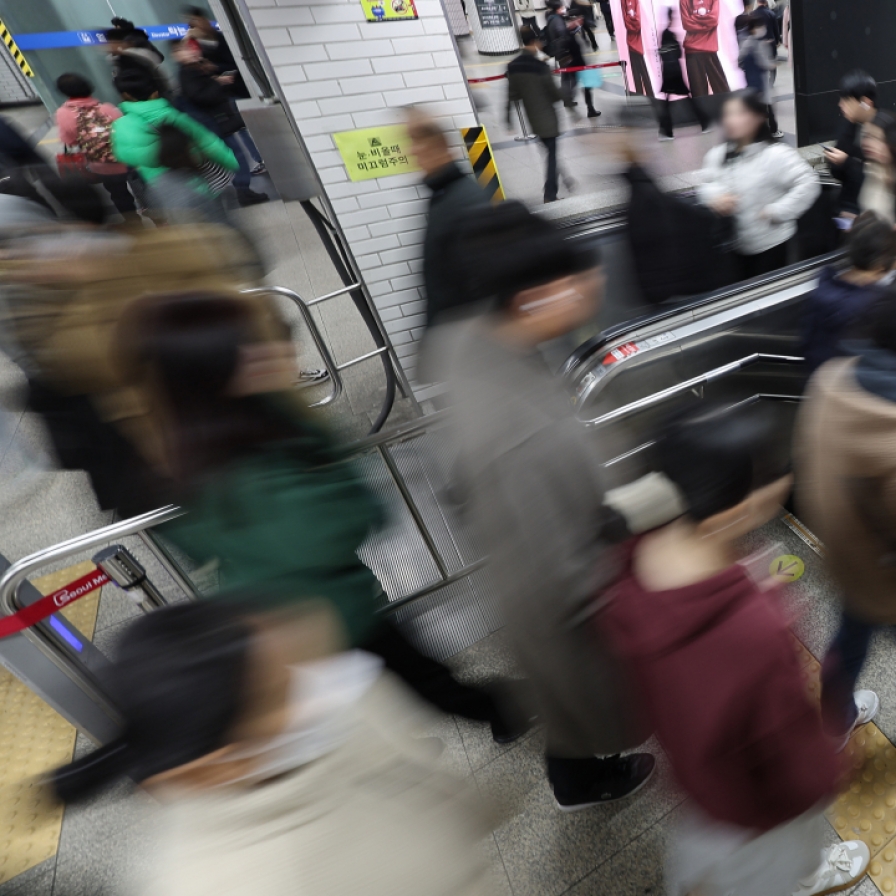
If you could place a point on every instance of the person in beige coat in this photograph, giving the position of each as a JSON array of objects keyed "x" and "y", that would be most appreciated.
[
  {"x": 846, "y": 487},
  {"x": 283, "y": 764}
]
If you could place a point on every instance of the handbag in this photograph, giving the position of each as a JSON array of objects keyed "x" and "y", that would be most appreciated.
[
  {"x": 74, "y": 164},
  {"x": 590, "y": 78}
]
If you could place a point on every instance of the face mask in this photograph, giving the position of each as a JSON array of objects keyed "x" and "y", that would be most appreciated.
[{"x": 322, "y": 697}]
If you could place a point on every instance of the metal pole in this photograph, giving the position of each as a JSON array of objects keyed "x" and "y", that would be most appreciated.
[
  {"x": 526, "y": 136},
  {"x": 163, "y": 555},
  {"x": 126, "y": 571}
]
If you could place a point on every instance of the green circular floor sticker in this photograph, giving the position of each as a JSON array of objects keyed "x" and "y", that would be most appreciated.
[{"x": 786, "y": 568}]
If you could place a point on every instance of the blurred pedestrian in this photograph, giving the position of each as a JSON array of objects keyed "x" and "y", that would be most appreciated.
[
  {"x": 673, "y": 83},
  {"x": 700, "y": 19},
  {"x": 756, "y": 60},
  {"x": 129, "y": 49},
  {"x": 878, "y": 193},
  {"x": 208, "y": 93},
  {"x": 583, "y": 77},
  {"x": 267, "y": 491},
  {"x": 584, "y": 10},
  {"x": 455, "y": 196},
  {"x": 532, "y": 484},
  {"x": 607, "y": 15},
  {"x": 846, "y": 473},
  {"x": 281, "y": 761},
  {"x": 762, "y": 186},
  {"x": 214, "y": 47},
  {"x": 85, "y": 122},
  {"x": 529, "y": 81},
  {"x": 181, "y": 194},
  {"x": 135, "y": 137},
  {"x": 713, "y": 658},
  {"x": 842, "y": 297},
  {"x": 846, "y": 160}
]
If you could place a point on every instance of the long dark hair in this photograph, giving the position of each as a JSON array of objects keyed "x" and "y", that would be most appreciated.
[
  {"x": 187, "y": 346},
  {"x": 176, "y": 149}
]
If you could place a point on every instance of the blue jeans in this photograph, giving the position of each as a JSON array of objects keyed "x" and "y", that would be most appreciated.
[
  {"x": 243, "y": 174},
  {"x": 840, "y": 671}
]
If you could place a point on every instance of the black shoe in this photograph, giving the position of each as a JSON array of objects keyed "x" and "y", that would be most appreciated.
[
  {"x": 512, "y": 717},
  {"x": 593, "y": 113},
  {"x": 250, "y": 197},
  {"x": 581, "y": 783},
  {"x": 571, "y": 105}
]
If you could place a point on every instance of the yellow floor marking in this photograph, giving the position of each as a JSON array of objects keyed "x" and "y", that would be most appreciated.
[
  {"x": 866, "y": 807},
  {"x": 33, "y": 740}
]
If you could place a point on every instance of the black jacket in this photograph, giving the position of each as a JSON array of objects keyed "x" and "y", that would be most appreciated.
[
  {"x": 211, "y": 98},
  {"x": 851, "y": 173},
  {"x": 455, "y": 197},
  {"x": 678, "y": 247},
  {"x": 530, "y": 81},
  {"x": 557, "y": 36}
]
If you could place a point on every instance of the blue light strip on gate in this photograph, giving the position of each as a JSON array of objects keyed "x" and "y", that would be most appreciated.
[
  {"x": 66, "y": 635},
  {"x": 56, "y": 40}
]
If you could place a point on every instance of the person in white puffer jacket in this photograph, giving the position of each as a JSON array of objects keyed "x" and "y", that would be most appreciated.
[{"x": 764, "y": 186}]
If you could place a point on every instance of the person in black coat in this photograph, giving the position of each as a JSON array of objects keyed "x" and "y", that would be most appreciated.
[
  {"x": 674, "y": 84},
  {"x": 858, "y": 106},
  {"x": 456, "y": 196},
  {"x": 208, "y": 94}
]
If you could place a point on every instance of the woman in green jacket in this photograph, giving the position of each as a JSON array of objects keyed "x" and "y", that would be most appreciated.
[
  {"x": 265, "y": 490},
  {"x": 135, "y": 136}
]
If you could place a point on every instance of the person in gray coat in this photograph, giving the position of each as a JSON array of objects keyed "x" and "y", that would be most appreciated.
[
  {"x": 529, "y": 81},
  {"x": 532, "y": 484}
]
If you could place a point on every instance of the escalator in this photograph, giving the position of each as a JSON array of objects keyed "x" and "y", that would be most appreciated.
[{"x": 738, "y": 344}]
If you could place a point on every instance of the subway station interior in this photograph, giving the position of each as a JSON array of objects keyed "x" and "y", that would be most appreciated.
[{"x": 587, "y": 336}]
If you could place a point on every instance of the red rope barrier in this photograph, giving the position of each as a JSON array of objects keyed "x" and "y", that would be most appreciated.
[
  {"x": 556, "y": 71},
  {"x": 52, "y": 603}
]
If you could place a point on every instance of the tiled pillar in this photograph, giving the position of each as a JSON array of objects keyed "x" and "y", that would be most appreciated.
[
  {"x": 493, "y": 23},
  {"x": 460, "y": 27},
  {"x": 338, "y": 73}
]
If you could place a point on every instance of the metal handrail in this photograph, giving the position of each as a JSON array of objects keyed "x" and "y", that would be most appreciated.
[
  {"x": 13, "y": 578},
  {"x": 716, "y": 373},
  {"x": 319, "y": 343}
]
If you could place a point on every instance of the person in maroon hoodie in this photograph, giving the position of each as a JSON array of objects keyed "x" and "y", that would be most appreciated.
[
  {"x": 700, "y": 19},
  {"x": 631, "y": 14},
  {"x": 713, "y": 658}
]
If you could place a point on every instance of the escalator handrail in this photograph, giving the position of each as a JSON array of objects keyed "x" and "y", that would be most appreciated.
[
  {"x": 656, "y": 398},
  {"x": 613, "y": 334}
]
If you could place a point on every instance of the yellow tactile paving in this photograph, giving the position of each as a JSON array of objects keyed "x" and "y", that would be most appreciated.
[
  {"x": 866, "y": 809},
  {"x": 34, "y": 739}
]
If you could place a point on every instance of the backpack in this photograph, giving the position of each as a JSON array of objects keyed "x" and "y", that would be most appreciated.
[{"x": 94, "y": 131}]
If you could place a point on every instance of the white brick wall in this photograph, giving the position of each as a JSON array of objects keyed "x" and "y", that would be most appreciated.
[{"x": 338, "y": 73}]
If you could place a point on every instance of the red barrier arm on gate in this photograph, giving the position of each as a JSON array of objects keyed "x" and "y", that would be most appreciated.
[
  {"x": 556, "y": 71},
  {"x": 52, "y": 603}
]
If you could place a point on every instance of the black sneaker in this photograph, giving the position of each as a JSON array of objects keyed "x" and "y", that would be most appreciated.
[
  {"x": 250, "y": 197},
  {"x": 593, "y": 113},
  {"x": 618, "y": 777},
  {"x": 512, "y": 717}
]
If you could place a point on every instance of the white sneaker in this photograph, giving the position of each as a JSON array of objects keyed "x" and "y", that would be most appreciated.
[
  {"x": 777, "y": 135},
  {"x": 708, "y": 129},
  {"x": 867, "y": 707},
  {"x": 842, "y": 866},
  {"x": 665, "y": 138}
]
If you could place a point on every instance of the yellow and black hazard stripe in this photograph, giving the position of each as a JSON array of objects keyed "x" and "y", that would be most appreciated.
[
  {"x": 21, "y": 62},
  {"x": 483, "y": 161}
]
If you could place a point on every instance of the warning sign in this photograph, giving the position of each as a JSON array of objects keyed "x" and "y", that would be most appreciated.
[
  {"x": 375, "y": 152},
  {"x": 388, "y": 10},
  {"x": 787, "y": 568}
]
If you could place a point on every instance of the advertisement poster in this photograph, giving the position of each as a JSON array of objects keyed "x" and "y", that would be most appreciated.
[
  {"x": 388, "y": 10},
  {"x": 705, "y": 28},
  {"x": 375, "y": 152}
]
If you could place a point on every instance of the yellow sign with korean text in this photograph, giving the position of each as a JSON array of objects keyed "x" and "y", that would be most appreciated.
[
  {"x": 388, "y": 10},
  {"x": 376, "y": 152}
]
